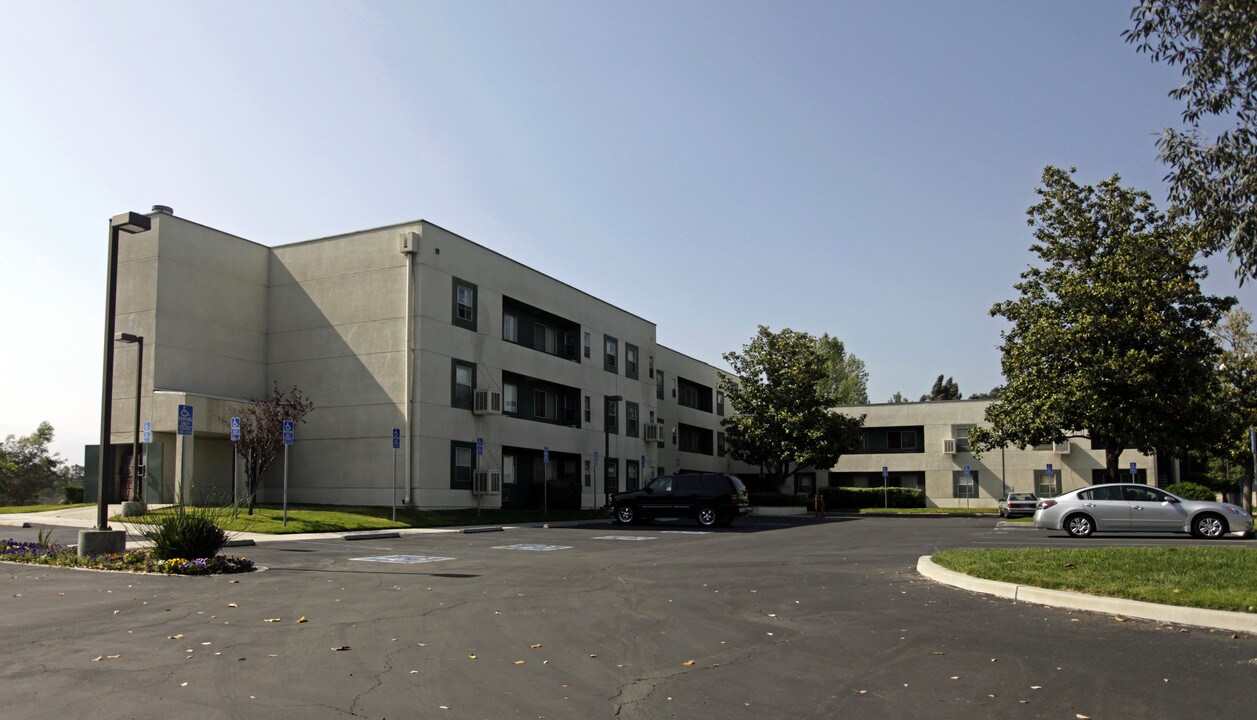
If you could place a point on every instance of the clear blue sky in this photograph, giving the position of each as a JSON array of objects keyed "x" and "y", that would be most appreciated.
[{"x": 856, "y": 168}]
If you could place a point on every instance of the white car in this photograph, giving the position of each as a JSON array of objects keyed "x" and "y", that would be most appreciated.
[{"x": 1130, "y": 507}]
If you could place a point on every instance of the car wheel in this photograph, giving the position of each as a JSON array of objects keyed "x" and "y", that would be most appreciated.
[
  {"x": 707, "y": 516},
  {"x": 625, "y": 514},
  {"x": 1209, "y": 526},
  {"x": 1079, "y": 525}
]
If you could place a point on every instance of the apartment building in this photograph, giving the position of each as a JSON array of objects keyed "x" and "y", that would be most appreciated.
[
  {"x": 508, "y": 387},
  {"x": 924, "y": 445}
]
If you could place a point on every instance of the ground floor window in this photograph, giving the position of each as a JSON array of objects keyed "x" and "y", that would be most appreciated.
[
  {"x": 462, "y": 464},
  {"x": 964, "y": 486},
  {"x": 1045, "y": 485}
]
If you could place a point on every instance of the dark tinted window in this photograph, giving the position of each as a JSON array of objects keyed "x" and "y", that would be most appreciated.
[
  {"x": 687, "y": 484},
  {"x": 1144, "y": 494},
  {"x": 716, "y": 483},
  {"x": 661, "y": 484},
  {"x": 1102, "y": 493}
]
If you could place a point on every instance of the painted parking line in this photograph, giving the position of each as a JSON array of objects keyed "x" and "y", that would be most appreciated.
[
  {"x": 686, "y": 532},
  {"x": 533, "y": 547},
  {"x": 625, "y": 537},
  {"x": 403, "y": 559}
]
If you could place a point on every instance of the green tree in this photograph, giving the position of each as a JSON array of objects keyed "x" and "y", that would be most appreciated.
[
  {"x": 1109, "y": 336},
  {"x": 1230, "y": 455},
  {"x": 262, "y": 432},
  {"x": 942, "y": 390},
  {"x": 28, "y": 468},
  {"x": 1212, "y": 181},
  {"x": 992, "y": 394},
  {"x": 846, "y": 380},
  {"x": 782, "y": 419},
  {"x": 898, "y": 398}
]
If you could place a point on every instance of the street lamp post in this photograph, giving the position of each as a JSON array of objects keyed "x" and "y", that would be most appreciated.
[
  {"x": 138, "y": 340},
  {"x": 101, "y": 539},
  {"x": 606, "y": 442}
]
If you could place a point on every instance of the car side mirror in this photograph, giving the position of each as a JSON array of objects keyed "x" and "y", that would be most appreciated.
[
  {"x": 1173, "y": 501},
  {"x": 650, "y": 490}
]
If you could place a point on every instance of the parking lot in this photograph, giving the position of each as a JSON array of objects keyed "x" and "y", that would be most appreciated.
[{"x": 772, "y": 617}]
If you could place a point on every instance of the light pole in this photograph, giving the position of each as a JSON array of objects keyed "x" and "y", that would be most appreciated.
[
  {"x": 138, "y": 340},
  {"x": 101, "y": 539},
  {"x": 606, "y": 441}
]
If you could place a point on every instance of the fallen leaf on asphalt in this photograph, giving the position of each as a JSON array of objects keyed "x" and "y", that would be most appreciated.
[
  {"x": 1036, "y": 687},
  {"x": 519, "y": 662},
  {"x": 233, "y": 582},
  {"x": 232, "y": 605},
  {"x": 772, "y": 614},
  {"x": 271, "y": 620},
  {"x": 688, "y": 663},
  {"x": 990, "y": 695},
  {"x": 98, "y": 658},
  {"x": 936, "y": 652},
  {"x": 534, "y": 646},
  {"x": 955, "y": 677},
  {"x": 414, "y": 672},
  {"x": 444, "y": 707},
  {"x": 175, "y": 637},
  {"x": 115, "y": 612},
  {"x": 1080, "y": 716},
  {"x": 1120, "y": 618},
  {"x": 471, "y": 657},
  {"x": 337, "y": 648},
  {"x": 183, "y": 684},
  {"x": 303, "y": 619}
]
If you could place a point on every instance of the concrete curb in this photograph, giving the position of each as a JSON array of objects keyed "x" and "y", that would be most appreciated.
[{"x": 1218, "y": 619}]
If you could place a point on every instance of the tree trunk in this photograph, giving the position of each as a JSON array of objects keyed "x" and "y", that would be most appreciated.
[
  {"x": 1246, "y": 492},
  {"x": 1112, "y": 471}
]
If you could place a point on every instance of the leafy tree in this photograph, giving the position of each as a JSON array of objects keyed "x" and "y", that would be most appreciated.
[
  {"x": 1214, "y": 182},
  {"x": 846, "y": 380},
  {"x": 1236, "y": 401},
  {"x": 1109, "y": 336},
  {"x": 262, "y": 432},
  {"x": 783, "y": 420},
  {"x": 942, "y": 390},
  {"x": 898, "y": 398},
  {"x": 992, "y": 394},
  {"x": 28, "y": 469}
]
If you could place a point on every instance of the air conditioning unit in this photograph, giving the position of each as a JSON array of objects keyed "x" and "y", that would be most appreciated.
[
  {"x": 487, "y": 402},
  {"x": 949, "y": 446},
  {"x": 1061, "y": 448},
  {"x": 652, "y": 432},
  {"x": 486, "y": 482}
]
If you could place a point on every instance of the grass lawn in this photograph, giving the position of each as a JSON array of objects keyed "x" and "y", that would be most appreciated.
[
  {"x": 39, "y": 508},
  {"x": 932, "y": 511},
  {"x": 268, "y": 519},
  {"x": 1222, "y": 578}
]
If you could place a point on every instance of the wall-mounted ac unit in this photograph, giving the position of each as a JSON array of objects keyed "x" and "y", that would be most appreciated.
[
  {"x": 1061, "y": 448},
  {"x": 949, "y": 446},
  {"x": 652, "y": 432},
  {"x": 487, "y": 402},
  {"x": 486, "y": 482}
]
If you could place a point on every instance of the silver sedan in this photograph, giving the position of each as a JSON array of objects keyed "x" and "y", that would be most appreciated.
[{"x": 1129, "y": 507}]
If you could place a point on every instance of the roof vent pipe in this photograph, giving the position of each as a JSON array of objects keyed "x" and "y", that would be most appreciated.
[{"x": 163, "y": 209}]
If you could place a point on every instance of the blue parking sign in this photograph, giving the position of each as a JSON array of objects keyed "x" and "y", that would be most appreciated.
[
  {"x": 185, "y": 419},
  {"x": 479, "y": 446},
  {"x": 148, "y": 431},
  {"x": 235, "y": 429},
  {"x": 289, "y": 427},
  {"x": 397, "y": 438}
]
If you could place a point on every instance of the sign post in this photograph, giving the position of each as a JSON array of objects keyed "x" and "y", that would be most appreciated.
[
  {"x": 885, "y": 486},
  {"x": 148, "y": 439},
  {"x": 970, "y": 491},
  {"x": 545, "y": 482},
  {"x": 289, "y": 428},
  {"x": 185, "y": 436},
  {"x": 397, "y": 442},
  {"x": 235, "y": 480}
]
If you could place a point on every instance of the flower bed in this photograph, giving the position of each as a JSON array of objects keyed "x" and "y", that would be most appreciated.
[{"x": 131, "y": 561}]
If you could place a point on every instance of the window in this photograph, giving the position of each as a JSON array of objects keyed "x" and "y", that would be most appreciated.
[
  {"x": 613, "y": 475},
  {"x": 659, "y": 385},
  {"x": 587, "y": 418},
  {"x": 720, "y": 444},
  {"x": 1049, "y": 486},
  {"x": 510, "y": 327},
  {"x": 660, "y": 444},
  {"x": 612, "y": 416},
  {"x": 510, "y": 398},
  {"x": 588, "y": 474},
  {"x": 587, "y": 344},
  {"x": 689, "y": 396},
  {"x": 462, "y": 464},
  {"x": 964, "y": 487},
  {"x": 611, "y": 351},
  {"x": 961, "y": 434},
  {"x": 901, "y": 440},
  {"x": 720, "y": 402},
  {"x": 651, "y": 368},
  {"x": 464, "y": 304},
  {"x": 1111, "y": 494},
  {"x": 674, "y": 436},
  {"x": 630, "y": 420},
  {"x": 630, "y": 361},
  {"x": 464, "y": 374},
  {"x": 545, "y": 405},
  {"x": 545, "y": 339},
  {"x": 630, "y": 474},
  {"x": 674, "y": 388}
]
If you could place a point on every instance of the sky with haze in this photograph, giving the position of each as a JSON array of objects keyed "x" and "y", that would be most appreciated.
[{"x": 856, "y": 168}]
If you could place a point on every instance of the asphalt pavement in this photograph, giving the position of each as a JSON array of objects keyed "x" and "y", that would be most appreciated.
[{"x": 773, "y": 617}]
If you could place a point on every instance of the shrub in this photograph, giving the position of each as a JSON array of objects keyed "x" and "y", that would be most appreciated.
[
  {"x": 129, "y": 561},
  {"x": 848, "y": 498},
  {"x": 1192, "y": 491},
  {"x": 193, "y": 533},
  {"x": 73, "y": 494}
]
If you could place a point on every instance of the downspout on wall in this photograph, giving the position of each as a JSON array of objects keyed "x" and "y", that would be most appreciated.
[{"x": 409, "y": 246}]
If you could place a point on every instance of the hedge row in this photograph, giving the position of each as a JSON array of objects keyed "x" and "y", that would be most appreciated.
[
  {"x": 845, "y": 498},
  {"x": 777, "y": 499}
]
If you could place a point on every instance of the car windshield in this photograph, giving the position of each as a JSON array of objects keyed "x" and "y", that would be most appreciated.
[
  {"x": 737, "y": 483},
  {"x": 1021, "y": 496}
]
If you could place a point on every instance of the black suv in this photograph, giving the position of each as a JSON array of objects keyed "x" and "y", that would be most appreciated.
[{"x": 710, "y": 498}]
